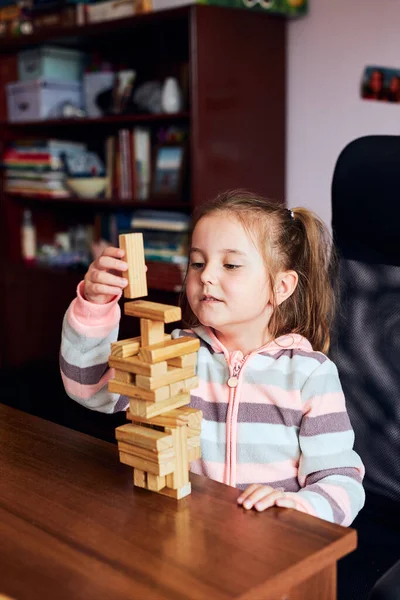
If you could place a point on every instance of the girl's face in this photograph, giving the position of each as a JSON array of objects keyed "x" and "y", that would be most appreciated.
[{"x": 227, "y": 285}]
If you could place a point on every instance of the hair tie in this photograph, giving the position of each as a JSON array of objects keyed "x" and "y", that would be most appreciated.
[{"x": 291, "y": 213}]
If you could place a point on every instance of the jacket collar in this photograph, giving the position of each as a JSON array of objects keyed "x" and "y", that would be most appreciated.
[{"x": 284, "y": 342}]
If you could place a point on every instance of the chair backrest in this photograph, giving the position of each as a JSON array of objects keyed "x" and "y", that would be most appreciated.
[
  {"x": 366, "y": 341},
  {"x": 388, "y": 586}
]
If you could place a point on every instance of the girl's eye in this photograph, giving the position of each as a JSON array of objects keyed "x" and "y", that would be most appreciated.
[
  {"x": 232, "y": 267},
  {"x": 196, "y": 265}
]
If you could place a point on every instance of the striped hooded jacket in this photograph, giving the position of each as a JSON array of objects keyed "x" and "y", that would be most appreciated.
[{"x": 285, "y": 424}]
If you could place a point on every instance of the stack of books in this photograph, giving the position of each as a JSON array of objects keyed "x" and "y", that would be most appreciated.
[
  {"x": 166, "y": 234},
  {"x": 36, "y": 167}
]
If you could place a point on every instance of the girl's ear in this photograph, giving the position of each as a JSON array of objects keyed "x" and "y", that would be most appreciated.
[{"x": 285, "y": 284}]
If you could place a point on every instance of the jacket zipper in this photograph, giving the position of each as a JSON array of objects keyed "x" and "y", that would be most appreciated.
[{"x": 233, "y": 383}]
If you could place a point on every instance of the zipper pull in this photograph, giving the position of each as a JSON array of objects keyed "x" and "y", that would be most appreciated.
[{"x": 232, "y": 381}]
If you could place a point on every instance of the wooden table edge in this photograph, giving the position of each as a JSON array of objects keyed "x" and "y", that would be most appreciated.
[{"x": 304, "y": 570}]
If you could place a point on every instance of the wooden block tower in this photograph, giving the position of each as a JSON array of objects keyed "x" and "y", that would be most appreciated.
[{"x": 157, "y": 374}]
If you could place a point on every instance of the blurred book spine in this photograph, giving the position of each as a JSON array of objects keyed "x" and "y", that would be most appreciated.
[{"x": 128, "y": 160}]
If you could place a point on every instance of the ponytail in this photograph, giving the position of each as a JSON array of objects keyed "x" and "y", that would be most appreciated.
[{"x": 309, "y": 251}]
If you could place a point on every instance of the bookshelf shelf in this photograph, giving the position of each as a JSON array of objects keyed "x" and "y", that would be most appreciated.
[
  {"x": 233, "y": 126},
  {"x": 110, "y": 120},
  {"x": 80, "y": 34},
  {"x": 114, "y": 204}
]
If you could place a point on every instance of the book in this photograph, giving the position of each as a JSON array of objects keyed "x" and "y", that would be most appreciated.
[
  {"x": 142, "y": 157},
  {"x": 110, "y": 160},
  {"x": 35, "y": 175},
  {"x": 52, "y": 146},
  {"x": 163, "y": 220}
]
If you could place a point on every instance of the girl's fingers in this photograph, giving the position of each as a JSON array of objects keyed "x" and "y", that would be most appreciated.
[
  {"x": 109, "y": 263},
  {"x": 247, "y": 492},
  {"x": 286, "y": 502},
  {"x": 113, "y": 251},
  {"x": 262, "y": 497},
  {"x": 105, "y": 278},
  {"x": 256, "y": 495},
  {"x": 99, "y": 289},
  {"x": 268, "y": 500}
]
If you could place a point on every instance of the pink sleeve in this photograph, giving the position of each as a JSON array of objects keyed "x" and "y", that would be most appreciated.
[{"x": 90, "y": 319}]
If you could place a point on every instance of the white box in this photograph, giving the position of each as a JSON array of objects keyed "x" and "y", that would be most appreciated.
[
  {"x": 41, "y": 99},
  {"x": 107, "y": 11}
]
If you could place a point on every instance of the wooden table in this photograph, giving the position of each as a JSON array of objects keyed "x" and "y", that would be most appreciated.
[{"x": 72, "y": 527}]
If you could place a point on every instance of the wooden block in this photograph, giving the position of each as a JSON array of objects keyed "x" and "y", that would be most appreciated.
[
  {"x": 140, "y": 478},
  {"x": 164, "y": 468},
  {"x": 195, "y": 418},
  {"x": 132, "y": 243},
  {"x": 146, "y": 424},
  {"x": 193, "y": 445},
  {"x": 151, "y": 332},
  {"x": 184, "y": 385},
  {"x": 127, "y": 389},
  {"x": 194, "y": 453},
  {"x": 169, "y": 349},
  {"x": 180, "y": 475},
  {"x": 148, "y": 410},
  {"x": 164, "y": 456},
  {"x": 191, "y": 383},
  {"x": 155, "y": 483},
  {"x": 176, "y": 388},
  {"x": 193, "y": 438},
  {"x": 144, "y": 437},
  {"x": 125, "y": 348},
  {"x": 124, "y": 376},
  {"x": 143, "y": 309},
  {"x": 177, "y": 417},
  {"x": 130, "y": 346},
  {"x": 183, "y": 361},
  {"x": 172, "y": 376},
  {"x": 136, "y": 365},
  {"x": 177, "y": 494}
]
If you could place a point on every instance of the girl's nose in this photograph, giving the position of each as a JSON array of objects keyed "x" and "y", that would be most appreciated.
[{"x": 208, "y": 275}]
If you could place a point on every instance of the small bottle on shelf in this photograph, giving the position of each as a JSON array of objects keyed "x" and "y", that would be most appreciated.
[{"x": 28, "y": 238}]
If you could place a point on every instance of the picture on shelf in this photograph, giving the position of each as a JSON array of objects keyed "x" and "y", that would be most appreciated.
[{"x": 169, "y": 164}]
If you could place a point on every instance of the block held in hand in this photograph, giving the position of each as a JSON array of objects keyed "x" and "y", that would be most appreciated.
[{"x": 132, "y": 243}]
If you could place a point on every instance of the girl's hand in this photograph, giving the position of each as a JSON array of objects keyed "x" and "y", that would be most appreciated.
[
  {"x": 262, "y": 497},
  {"x": 104, "y": 279}
]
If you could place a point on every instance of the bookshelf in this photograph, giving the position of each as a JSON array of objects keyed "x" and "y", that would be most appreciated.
[{"x": 235, "y": 117}]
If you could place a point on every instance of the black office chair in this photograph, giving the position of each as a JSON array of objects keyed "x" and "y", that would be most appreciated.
[
  {"x": 366, "y": 349},
  {"x": 388, "y": 586}
]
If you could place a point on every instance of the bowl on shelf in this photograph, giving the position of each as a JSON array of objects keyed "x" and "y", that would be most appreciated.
[{"x": 87, "y": 187}]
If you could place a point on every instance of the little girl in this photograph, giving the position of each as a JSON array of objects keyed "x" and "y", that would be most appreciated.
[{"x": 258, "y": 296}]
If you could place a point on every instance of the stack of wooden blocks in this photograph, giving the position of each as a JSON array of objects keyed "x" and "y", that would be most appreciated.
[{"x": 157, "y": 374}]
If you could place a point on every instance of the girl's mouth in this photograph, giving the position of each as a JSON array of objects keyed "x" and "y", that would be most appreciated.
[{"x": 210, "y": 299}]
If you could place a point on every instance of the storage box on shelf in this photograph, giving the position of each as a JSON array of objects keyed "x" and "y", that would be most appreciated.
[
  {"x": 236, "y": 130},
  {"x": 41, "y": 98},
  {"x": 50, "y": 62}
]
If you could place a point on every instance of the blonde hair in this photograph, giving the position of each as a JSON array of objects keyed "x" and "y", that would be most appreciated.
[{"x": 295, "y": 240}]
